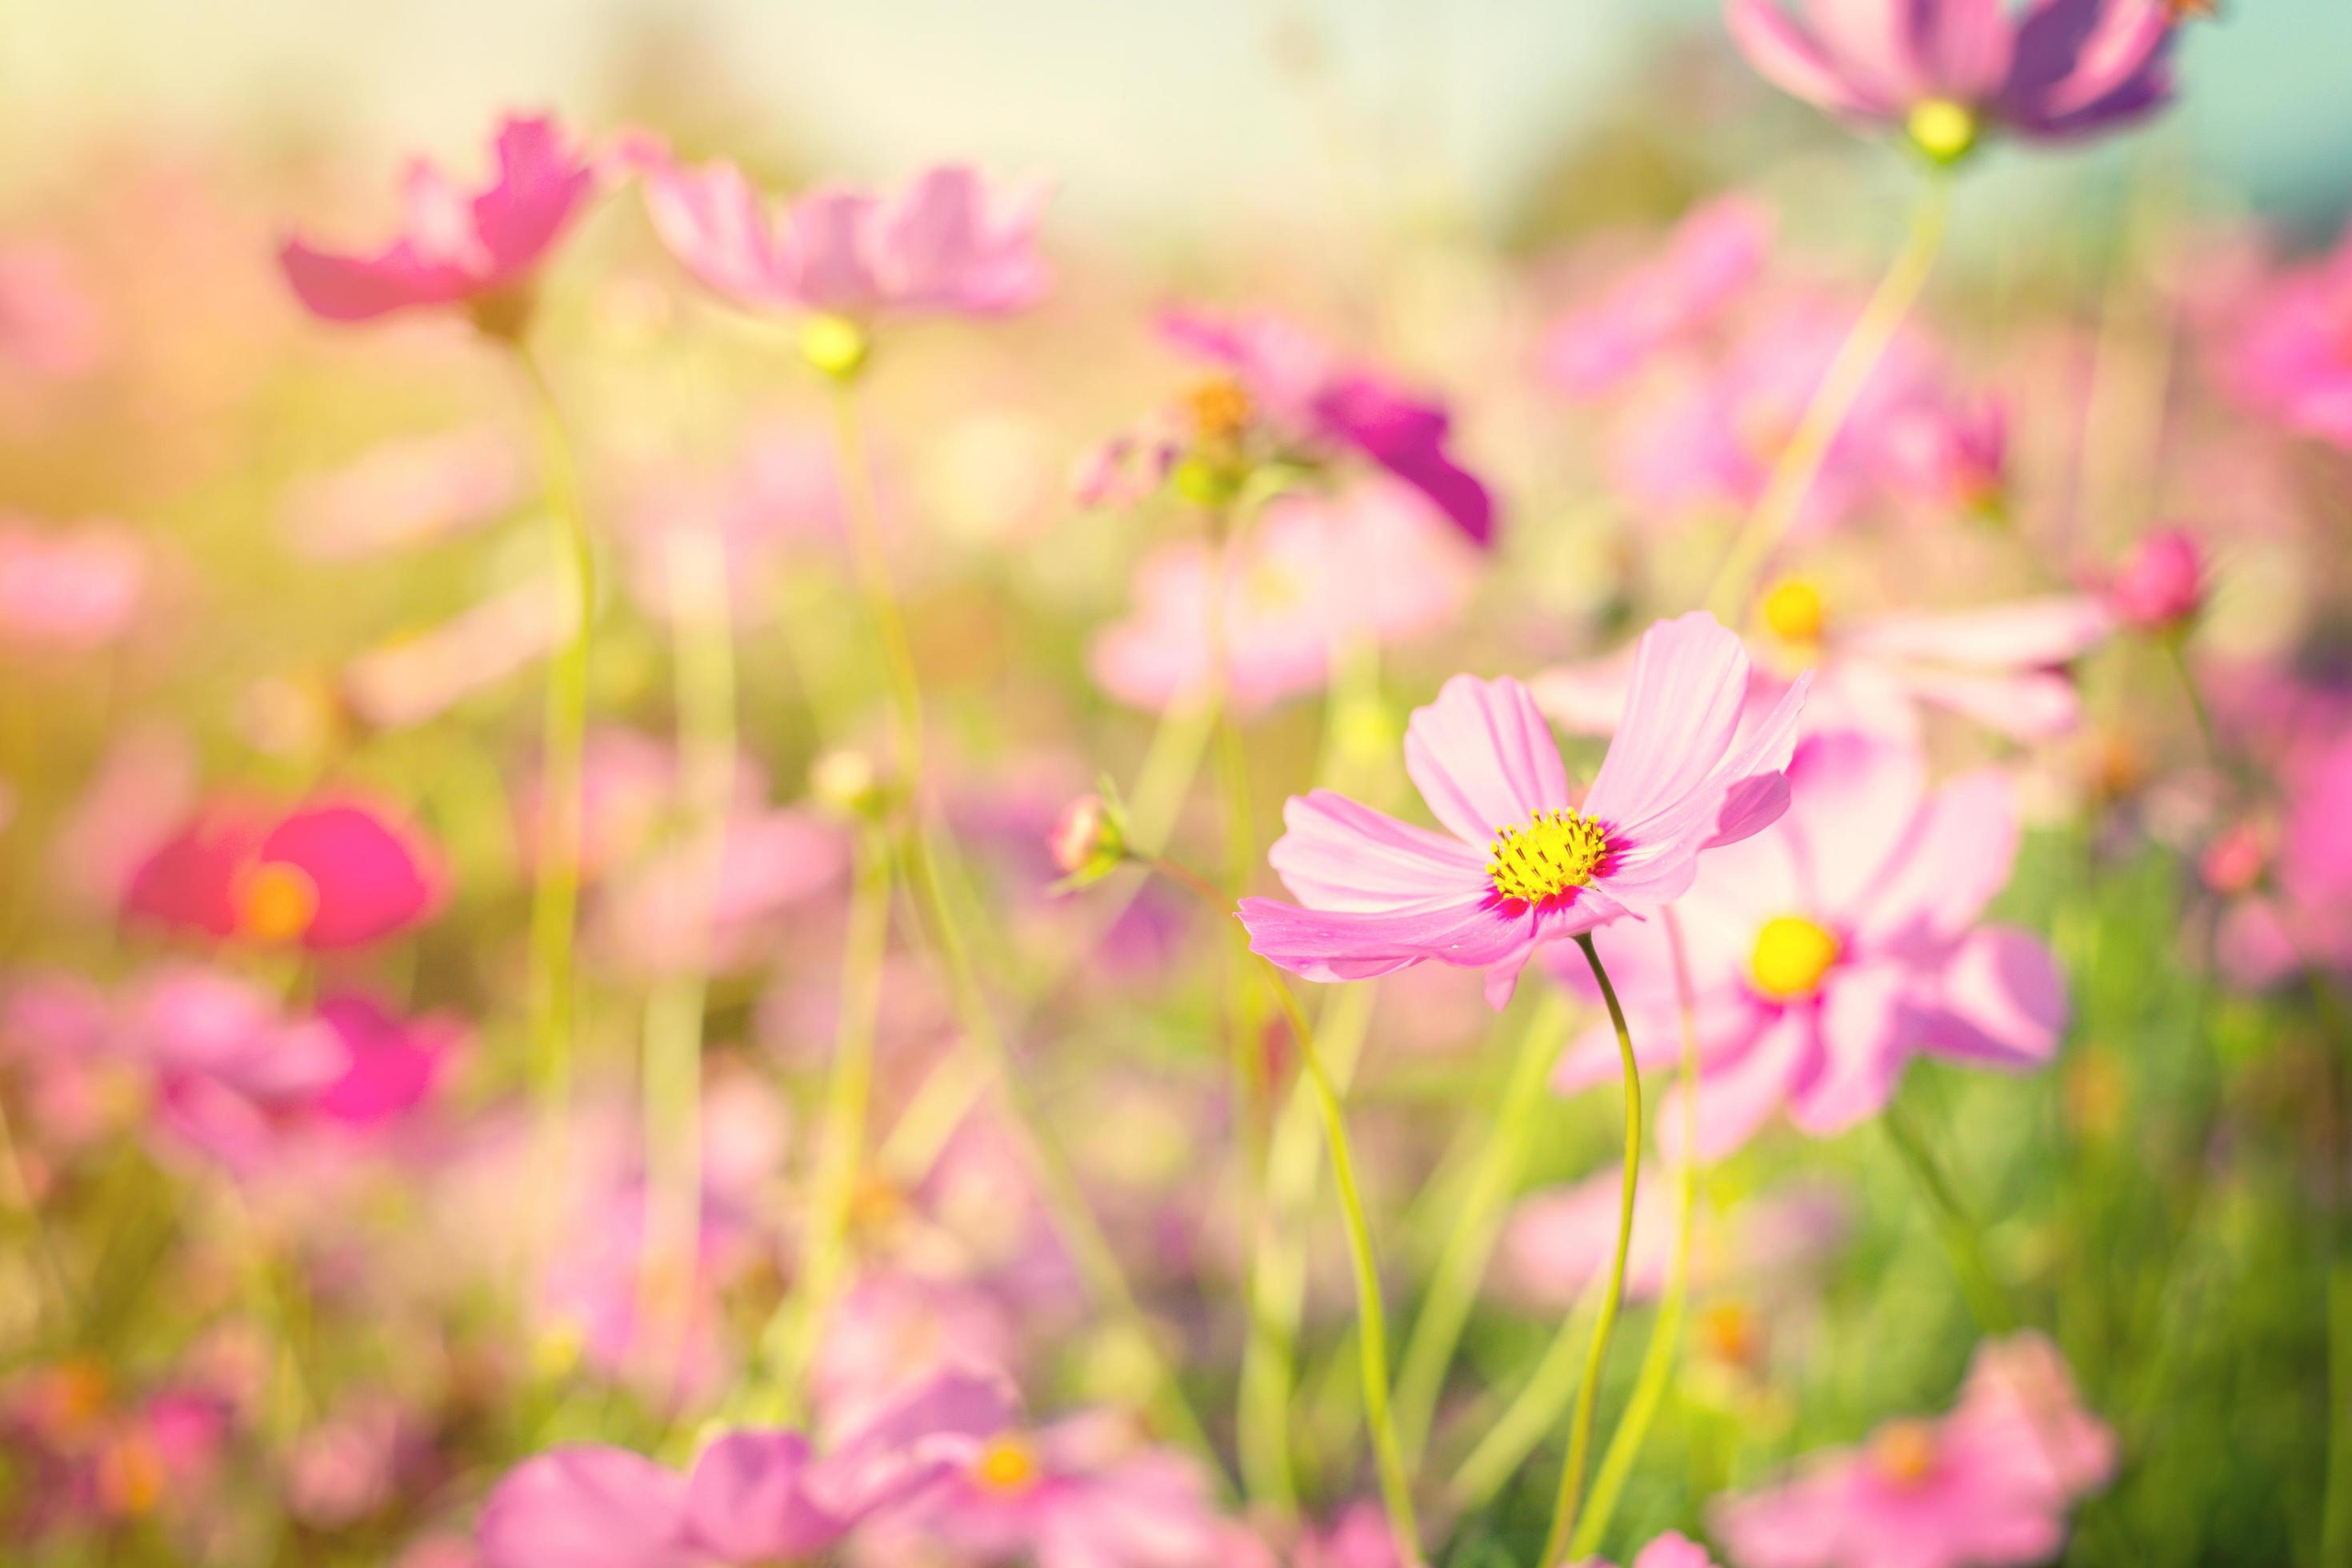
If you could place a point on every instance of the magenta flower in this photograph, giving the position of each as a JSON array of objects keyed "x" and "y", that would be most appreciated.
[
  {"x": 752, "y": 1499},
  {"x": 336, "y": 872},
  {"x": 948, "y": 243},
  {"x": 1827, "y": 951},
  {"x": 1520, "y": 863},
  {"x": 2160, "y": 585},
  {"x": 1986, "y": 1487},
  {"x": 2294, "y": 354},
  {"x": 1946, "y": 71},
  {"x": 1313, "y": 403},
  {"x": 1314, "y": 577},
  {"x": 478, "y": 249},
  {"x": 2302, "y": 916}
]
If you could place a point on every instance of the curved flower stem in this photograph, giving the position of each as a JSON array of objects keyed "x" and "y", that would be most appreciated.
[
  {"x": 790, "y": 1342},
  {"x": 1800, "y": 464},
  {"x": 1987, "y": 1301},
  {"x": 920, "y": 852},
  {"x": 1371, "y": 1338},
  {"x": 1580, "y": 1426},
  {"x": 1470, "y": 1240},
  {"x": 2179, "y": 655},
  {"x": 555, "y": 891},
  {"x": 1665, "y": 1333}
]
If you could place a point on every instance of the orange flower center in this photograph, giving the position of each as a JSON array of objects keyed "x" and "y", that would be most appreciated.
[
  {"x": 130, "y": 1477},
  {"x": 1904, "y": 1452},
  {"x": 278, "y": 902},
  {"x": 1791, "y": 955},
  {"x": 1007, "y": 1464},
  {"x": 1554, "y": 851},
  {"x": 1220, "y": 409}
]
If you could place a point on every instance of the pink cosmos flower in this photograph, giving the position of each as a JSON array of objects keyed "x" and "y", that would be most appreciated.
[
  {"x": 1713, "y": 255},
  {"x": 1519, "y": 864},
  {"x": 1314, "y": 578},
  {"x": 337, "y": 871},
  {"x": 947, "y": 243},
  {"x": 752, "y": 1497},
  {"x": 2304, "y": 917},
  {"x": 1985, "y": 1486},
  {"x": 408, "y": 492},
  {"x": 72, "y": 590},
  {"x": 476, "y": 249},
  {"x": 1672, "y": 1549},
  {"x": 1083, "y": 1492},
  {"x": 1314, "y": 402},
  {"x": 2161, "y": 583},
  {"x": 1827, "y": 951},
  {"x": 1945, "y": 72},
  {"x": 713, "y": 901},
  {"x": 2293, "y": 352},
  {"x": 86, "y": 1455},
  {"x": 421, "y": 676}
]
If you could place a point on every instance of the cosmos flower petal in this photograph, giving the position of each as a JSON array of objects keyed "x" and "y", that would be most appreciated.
[
  {"x": 2002, "y": 1002},
  {"x": 587, "y": 1506},
  {"x": 1792, "y": 57},
  {"x": 1327, "y": 945},
  {"x": 1338, "y": 855},
  {"x": 1964, "y": 46},
  {"x": 1864, "y": 1024},
  {"x": 747, "y": 1502},
  {"x": 1957, "y": 854},
  {"x": 715, "y": 224},
  {"x": 1682, "y": 710},
  {"x": 1739, "y": 1090},
  {"x": 1736, "y": 800},
  {"x": 1484, "y": 757},
  {"x": 823, "y": 256},
  {"x": 2026, "y": 635}
]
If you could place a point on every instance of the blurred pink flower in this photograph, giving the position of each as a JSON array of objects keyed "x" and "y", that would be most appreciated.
[
  {"x": 83, "y": 1454},
  {"x": 891, "y": 1330},
  {"x": 1520, "y": 866},
  {"x": 337, "y": 871},
  {"x": 141, "y": 792},
  {"x": 71, "y": 589},
  {"x": 2304, "y": 916},
  {"x": 946, "y": 243},
  {"x": 2002, "y": 666},
  {"x": 1985, "y": 1486},
  {"x": 350, "y": 1465},
  {"x": 410, "y": 491},
  {"x": 423, "y": 675},
  {"x": 1830, "y": 949},
  {"x": 628, "y": 796},
  {"x": 712, "y": 901},
  {"x": 1558, "y": 1240},
  {"x": 1083, "y": 1492},
  {"x": 1672, "y": 1549},
  {"x": 1713, "y": 255},
  {"x": 478, "y": 249},
  {"x": 1359, "y": 1538},
  {"x": 1315, "y": 400},
  {"x": 1946, "y": 71},
  {"x": 49, "y": 325},
  {"x": 2292, "y": 355},
  {"x": 1314, "y": 578},
  {"x": 752, "y": 1497},
  {"x": 2161, "y": 583}
]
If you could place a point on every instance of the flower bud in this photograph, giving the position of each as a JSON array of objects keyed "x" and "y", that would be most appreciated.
[
  {"x": 1089, "y": 839},
  {"x": 835, "y": 345},
  {"x": 2161, "y": 585}
]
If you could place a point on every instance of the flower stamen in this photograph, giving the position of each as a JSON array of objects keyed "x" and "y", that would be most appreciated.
[{"x": 1556, "y": 851}]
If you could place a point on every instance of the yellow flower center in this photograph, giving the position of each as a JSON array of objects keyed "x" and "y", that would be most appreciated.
[
  {"x": 1793, "y": 611},
  {"x": 835, "y": 345},
  {"x": 1942, "y": 129},
  {"x": 1792, "y": 954},
  {"x": 1555, "y": 850},
  {"x": 1006, "y": 1464},
  {"x": 278, "y": 903},
  {"x": 1905, "y": 1451}
]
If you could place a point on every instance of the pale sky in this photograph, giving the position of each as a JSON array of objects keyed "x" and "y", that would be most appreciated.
[{"x": 1177, "y": 110}]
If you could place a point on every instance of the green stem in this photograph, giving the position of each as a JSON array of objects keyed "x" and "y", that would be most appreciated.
[
  {"x": 919, "y": 853},
  {"x": 1825, "y": 415},
  {"x": 703, "y": 674},
  {"x": 1588, "y": 1394},
  {"x": 1371, "y": 1339},
  {"x": 1963, "y": 1241},
  {"x": 790, "y": 1342},
  {"x": 2176, "y": 648},
  {"x": 1533, "y": 1411},
  {"x": 1665, "y": 1333},
  {"x": 555, "y": 892},
  {"x": 1473, "y": 1226}
]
